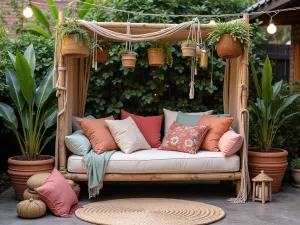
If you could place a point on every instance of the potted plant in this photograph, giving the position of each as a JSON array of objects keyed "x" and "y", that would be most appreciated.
[
  {"x": 188, "y": 48},
  {"x": 76, "y": 42},
  {"x": 267, "y": 115},
  {"x": 229, "y": 39},
  {"x": 101, "y": 51},
  {"x": 36, "y": 113},
  {"x": 296, "y": 172},
  {"x": 158, "y": 52},
  {"x": 128, "y": 58}
]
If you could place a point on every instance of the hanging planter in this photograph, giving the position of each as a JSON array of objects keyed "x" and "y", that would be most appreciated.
[
  {"x": 188, "y": 48},
  {"x": 158, "y": 53},
  {"x": 75, "y": 41},
  {"x": 128, "y": 58},
  {"x": 102, "y": 55},
  {"x": 230, "y": 39}
]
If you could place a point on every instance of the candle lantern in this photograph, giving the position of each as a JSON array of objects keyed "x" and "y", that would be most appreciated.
[
  {"x": 262, "y": 188},
  {"x": 203, "y": 58}
]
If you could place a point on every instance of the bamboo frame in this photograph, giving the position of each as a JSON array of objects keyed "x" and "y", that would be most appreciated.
[{"x": 233, "y": 69}]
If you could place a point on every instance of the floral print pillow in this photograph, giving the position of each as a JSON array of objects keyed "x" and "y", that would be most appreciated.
[{"x": 184, "y": 138}]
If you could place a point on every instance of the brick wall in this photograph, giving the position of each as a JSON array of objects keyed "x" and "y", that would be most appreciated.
[
  {"x": 295, "y": 38},
  {"x": 11, "y": 18}
]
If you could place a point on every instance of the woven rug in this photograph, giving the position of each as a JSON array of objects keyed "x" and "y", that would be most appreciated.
[{"x": 150, "y": 211}]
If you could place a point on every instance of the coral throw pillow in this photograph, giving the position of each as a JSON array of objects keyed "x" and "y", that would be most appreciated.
[
  {"x": 57, "y": 193},
  {"x": 98, "y": 133},
  {"x": 184, "y": 138},
  {"x": 127, "y": 135},
  {"x": 230, "y": 143},
  {"x": 149, "y": 126},
  {"x": 218, "y": 126}
]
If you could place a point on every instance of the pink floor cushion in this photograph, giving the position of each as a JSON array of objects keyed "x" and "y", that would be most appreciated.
[
  {"x": 58, "y": 195},
  {"x": 230, "y": 143},
  {"x": 149, "y": 126},
  {"x": 184, "y": 138}
]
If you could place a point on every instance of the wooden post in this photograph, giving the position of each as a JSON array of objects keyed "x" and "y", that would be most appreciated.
[
  {"x": 263, "y": 193},
  {"x": 253, "y": 191},
  {"x": 61, "y": 101},
  {"x": 237, "y": 187}
]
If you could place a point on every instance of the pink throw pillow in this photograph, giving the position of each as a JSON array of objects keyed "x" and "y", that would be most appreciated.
[
  {"x": 58, "y": 195},
  {"x": 149, "y": 126},
  {"x": 230, "y": 143},
  {"x": 184, "y": 138}
]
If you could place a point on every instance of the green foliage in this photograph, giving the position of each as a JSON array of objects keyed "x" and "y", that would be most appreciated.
[
  {"x": 3, "y": 34},
  {"x": 3, "y": 178},
  {"x": 72, "y": 28},
  {"x": 236, "y": 30},
  {"x": 188, "y": 42},
  {"x": 101, "y": 45},
  {"x": 35, "y": 113},
  {"x": 267, "y": 112},
  {"x": 160, "y": 45},
  {"x": 295, "y": 164},
  {"x": 127, "y": 51}
]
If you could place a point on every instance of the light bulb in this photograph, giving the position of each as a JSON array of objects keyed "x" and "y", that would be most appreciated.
[
  {"x": 27, "y": 12},
  {"x": 271, "y": 28},
  {"x": 212, "y": 22}
]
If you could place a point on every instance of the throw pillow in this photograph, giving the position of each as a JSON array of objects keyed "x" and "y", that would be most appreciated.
[
  {"x": 218, "y": 126},
  {"x": 170, "y": 117},
  {"x": 188, "y": 120},
  {"x": 75, "y": 125},
  {"x": 184, "y": 138},
  {"x": 57, "y": 193},
  {"x": 230, "y": 143},
  {"x": 127, "y": 135},
  {"x": 78, "y": 143},
  {"x": 98, "y": 133},
  {"x": 149, "y": 126}
]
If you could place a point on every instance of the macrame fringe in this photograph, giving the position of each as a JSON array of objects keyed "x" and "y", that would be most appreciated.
[{"x": 94, "y": 191}]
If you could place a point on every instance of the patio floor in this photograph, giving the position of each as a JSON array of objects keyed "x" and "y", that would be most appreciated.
[{"x": 283, "y": 210}]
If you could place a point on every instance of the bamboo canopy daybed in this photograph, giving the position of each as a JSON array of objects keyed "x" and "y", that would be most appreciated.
[{"x": 72, "y": 77}]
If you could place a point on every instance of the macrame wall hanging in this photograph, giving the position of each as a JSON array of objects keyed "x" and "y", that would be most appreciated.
[{"x": 95, "y": 55}]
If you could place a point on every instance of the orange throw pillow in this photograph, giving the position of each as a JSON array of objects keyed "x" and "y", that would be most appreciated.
[
  {"x": 98, "y": 133},
  {"x": 218, "y": 126}
]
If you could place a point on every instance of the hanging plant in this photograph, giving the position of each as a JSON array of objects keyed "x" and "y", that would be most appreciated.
[
  {"x": 76, "y": 42},
  {"x": 230, "y": 39},
  {"x": 160, "y": 51},
  {"x": 128, "y": 58},
  {"x": 101, "y": 53},
  {"x": 188, "y": 48}
]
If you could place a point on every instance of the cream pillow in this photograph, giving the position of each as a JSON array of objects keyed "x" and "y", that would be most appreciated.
[
  {"x": 127, "y": 135},
  {"x": 170, "y": 117}
]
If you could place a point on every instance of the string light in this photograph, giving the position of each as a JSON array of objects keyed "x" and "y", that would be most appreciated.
[
  {"x": 27, "y": 12},
  {"x": 271, "y": 28},
  {"x": 212, "y": 22}
]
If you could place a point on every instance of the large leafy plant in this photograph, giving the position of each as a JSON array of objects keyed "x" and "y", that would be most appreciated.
[
  {"x": 33, "y": 104},
  {"x": 267, "y": 112},
  {"x": 160, "y": 45}
]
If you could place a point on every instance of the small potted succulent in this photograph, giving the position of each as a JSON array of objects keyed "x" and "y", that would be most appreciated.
[
  {"x": 76, "y": 42},
  {"x": 102, "y": 49},
  {"x": 128, "y": 58},
  {"x": 188, "y": 47},
  {"x": 159, "y": 51},
  {"x": 296, "y": 172},
  {"x": 230, "y": 39}
]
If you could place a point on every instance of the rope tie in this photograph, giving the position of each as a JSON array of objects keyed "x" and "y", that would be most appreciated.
[{"x": 245, "y": 63}]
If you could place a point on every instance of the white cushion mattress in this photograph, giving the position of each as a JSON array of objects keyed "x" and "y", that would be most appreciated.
[{"x": 159, "y": 161}]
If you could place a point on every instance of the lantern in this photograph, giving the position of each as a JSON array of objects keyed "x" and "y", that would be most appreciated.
[
  {"x": 262, "y": 188},
  {"x": 203, "y": 58}
]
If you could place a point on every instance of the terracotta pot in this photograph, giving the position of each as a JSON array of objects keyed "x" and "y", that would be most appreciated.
[
  {"x": 274, "y": 164},
  {"x": 74, "y": 49},
  {"x": 20, "y": 170},
  {"x": 128, "y": 60},
  {"x": 156, "y": 56},
  {"x": 227, "y": 48},
  {"x": 188, "y": 50},
  {"x": 102, "y": 55},
  {"x": 296, "y": 177}
]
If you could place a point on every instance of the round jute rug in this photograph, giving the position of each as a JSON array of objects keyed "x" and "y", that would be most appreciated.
[{"x": 150, "y": 211}]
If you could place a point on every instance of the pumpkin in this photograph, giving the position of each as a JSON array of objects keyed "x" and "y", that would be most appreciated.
[{"x": 31, "y": 208}]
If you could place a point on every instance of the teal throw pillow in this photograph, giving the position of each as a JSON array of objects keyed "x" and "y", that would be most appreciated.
[{"x": 188, "y": 120}]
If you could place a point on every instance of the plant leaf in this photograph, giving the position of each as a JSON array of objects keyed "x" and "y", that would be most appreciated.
[
  {"x": 255, "y": 79},
  {"x": 85, "y": 8},
  {"x": 29, "y": 55},
  {"x": 276, "y": 88},
  {"x": 39, "y": 29},
  {"x": 51, "y": 120},
  {"x": 48, "y": 139},
  {"x": 275, "y": 106},
  {"x": 67, "y": 12},
  {"x": 48, "y": 113},
  {"x": 43, "y": 92},
  {"x": 286, "y": 102},
  {"x": 53, "y": 10},
  {"x": 25, "y": 79},
  {"x": 12, "y": 58},
  {"x": 26, "y": 117},
  {"x": 40, "y": 17},
  {"x": 266, "y": 83},
  {"x": 287, "y": 117},
  {"x": 8, "y": 115},
  {"x": 14, "y": 89}
]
